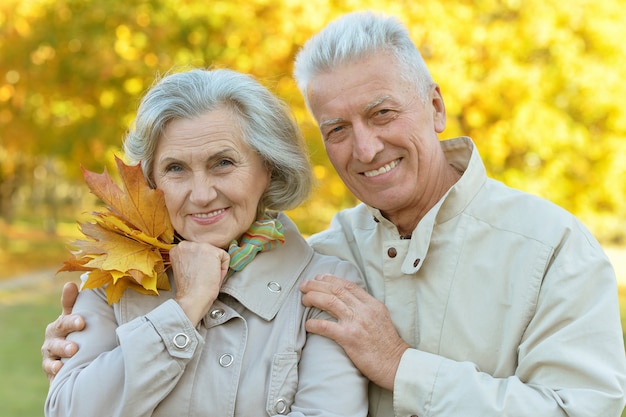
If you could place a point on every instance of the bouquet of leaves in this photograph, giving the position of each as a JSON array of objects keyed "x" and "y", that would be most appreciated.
[{"x": 128, "y": 243}]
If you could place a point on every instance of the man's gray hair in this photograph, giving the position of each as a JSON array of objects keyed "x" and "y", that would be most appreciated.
[{"x": 358, "y": 35}]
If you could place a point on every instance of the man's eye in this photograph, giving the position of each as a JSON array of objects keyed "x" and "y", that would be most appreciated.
[
  {"x": 383, "y": 116},
  {"x": 334, "y": 131}
]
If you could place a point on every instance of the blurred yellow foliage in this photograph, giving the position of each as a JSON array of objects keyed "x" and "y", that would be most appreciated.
[{"x": 538, "y": 84}]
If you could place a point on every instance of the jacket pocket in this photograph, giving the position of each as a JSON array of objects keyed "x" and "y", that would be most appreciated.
[{"x": 283, "y": 383}]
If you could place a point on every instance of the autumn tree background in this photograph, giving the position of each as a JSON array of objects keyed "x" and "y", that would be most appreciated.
[{"x": 538, "y": 84}]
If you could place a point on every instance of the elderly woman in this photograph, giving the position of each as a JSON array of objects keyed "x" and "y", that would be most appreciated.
[{"x": 225, "y": 341}]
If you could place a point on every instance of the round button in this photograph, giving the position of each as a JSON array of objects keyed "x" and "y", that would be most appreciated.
[
  {"x": 226, "y": 360},
  {"x": 281, "y": 406},
  {"x": 217, "y": 313},
  {"x": 181, "y": 340},
  {"x": 274, "y": 286},
  {"x": 392, "y": 252}
]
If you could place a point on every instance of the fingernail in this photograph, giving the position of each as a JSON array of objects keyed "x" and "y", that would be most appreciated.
[
  {"x": 76, "y": 322},
  {"x": 68, "y": 349}
]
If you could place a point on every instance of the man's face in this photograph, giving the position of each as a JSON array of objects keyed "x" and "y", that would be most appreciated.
[{"x": 380, "y": 137}]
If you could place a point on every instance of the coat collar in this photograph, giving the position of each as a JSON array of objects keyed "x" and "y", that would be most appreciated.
[
  {"x": 263, "y": 286},
  {"x": 463, "y": 155}
]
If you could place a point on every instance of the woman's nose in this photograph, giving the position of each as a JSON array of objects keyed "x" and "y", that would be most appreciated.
[{"x": 202, "y": 190}]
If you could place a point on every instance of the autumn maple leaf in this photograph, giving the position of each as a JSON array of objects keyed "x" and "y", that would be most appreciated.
[{"x": 128, "y": 244}]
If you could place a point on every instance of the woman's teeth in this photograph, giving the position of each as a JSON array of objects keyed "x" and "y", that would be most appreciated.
[{"x": 207, "y": 215}]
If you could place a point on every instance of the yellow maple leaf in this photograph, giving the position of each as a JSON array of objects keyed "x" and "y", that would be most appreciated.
[
  {"x": 119, "y": 252},
  {"x": 127, "y": 245},
  {"x": 137, "y": 204}
]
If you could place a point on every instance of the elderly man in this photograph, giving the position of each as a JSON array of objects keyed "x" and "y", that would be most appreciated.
[{"x": 482, "y": 300}]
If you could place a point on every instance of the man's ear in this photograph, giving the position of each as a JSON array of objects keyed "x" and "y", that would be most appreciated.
[{"x": 439, "y": 109}]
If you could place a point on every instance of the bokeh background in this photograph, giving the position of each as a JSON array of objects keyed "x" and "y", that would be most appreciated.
[{"x": 538, "y": 84}]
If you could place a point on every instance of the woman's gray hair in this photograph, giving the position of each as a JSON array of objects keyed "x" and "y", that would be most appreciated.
[
  {"x": 265, "y": 121},
  {"x": 359, "y": 35}
]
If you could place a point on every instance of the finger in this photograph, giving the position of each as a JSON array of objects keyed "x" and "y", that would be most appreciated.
[
  {"x": 346, "y": 291},
  {"x": 54, "y": 349},
  {"x": 328, "y": 284},
  {"x": 336, "y": 306},
  {"x": 225, "y": 258},
  {"x": 51, "y": 368},
  {"x": 326, "y": 328},
  {"x": 68, "y": 297},
  {"x": 322, "y": 283},
  {"x": 63, "y": 326},
  {"x": 339, "y": 285}
]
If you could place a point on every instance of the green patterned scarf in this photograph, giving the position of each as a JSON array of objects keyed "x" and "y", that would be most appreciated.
[{"x": 266, "y": 233}]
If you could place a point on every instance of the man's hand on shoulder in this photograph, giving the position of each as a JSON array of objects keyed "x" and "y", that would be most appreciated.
[
  {"x": 55, "y": 345},
  {"x": 362, "y": 320}
]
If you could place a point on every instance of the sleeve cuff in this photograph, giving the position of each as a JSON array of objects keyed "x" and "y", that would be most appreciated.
[
  {"x": 415, "y": 382},
  {"x": 179, "y": 336}
]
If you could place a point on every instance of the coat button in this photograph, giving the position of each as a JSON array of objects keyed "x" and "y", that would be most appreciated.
[
  {"x": 281, "y": 406},
  {"x": 226, "y": 360},
  {"x": 392, "y": 252},
  {"x": 217, "y": 313},
  {"x": 181, "y": 340},
  {"x": 274, "y": 286},
  {"x": 416, "y": 263}
]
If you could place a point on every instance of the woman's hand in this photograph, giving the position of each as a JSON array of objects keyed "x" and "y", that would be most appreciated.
[{"x": 199, "y": 270}]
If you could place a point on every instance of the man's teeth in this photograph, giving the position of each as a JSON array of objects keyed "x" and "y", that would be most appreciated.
[
  {"x": 381, "y": 170},
  {"x": 206, "y": 215}
]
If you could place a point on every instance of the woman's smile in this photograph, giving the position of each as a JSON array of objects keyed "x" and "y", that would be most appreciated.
[{"x": 209, "y": 217}]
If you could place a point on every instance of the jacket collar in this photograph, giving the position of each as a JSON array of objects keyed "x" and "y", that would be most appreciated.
[
  {"x": 463, "y": 155},
  {"x": 263, "y": 286}
]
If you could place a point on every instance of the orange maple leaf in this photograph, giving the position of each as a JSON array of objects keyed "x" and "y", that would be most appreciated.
[
  {"x": 138, "y": 204},
  {"x": 127, "y": 245}
]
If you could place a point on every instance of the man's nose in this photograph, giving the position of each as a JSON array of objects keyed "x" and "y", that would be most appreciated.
[{"x": 366, "y": 143}]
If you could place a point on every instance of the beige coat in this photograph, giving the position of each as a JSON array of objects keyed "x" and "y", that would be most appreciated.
[
  {"x": 250, "y": 356},
  {"x": 509, "y": 303}
]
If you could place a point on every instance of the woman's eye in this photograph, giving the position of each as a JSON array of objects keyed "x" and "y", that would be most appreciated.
[
  {"x": 225, "y": 162},
  {"x": 173, "y": 168}
]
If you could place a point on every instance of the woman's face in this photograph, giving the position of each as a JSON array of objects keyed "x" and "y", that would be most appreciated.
[{"x": 211, "y": 179}]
